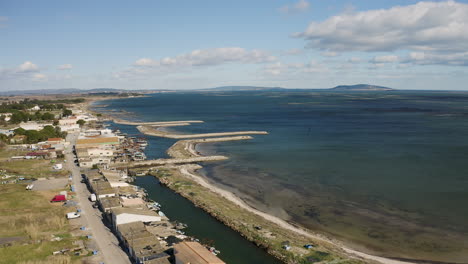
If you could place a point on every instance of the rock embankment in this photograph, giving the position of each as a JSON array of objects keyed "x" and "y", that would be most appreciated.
[
  {"x": 151, "y": 131},
  {"x": 160, "y": 162},
  {"x": 186, "y": 148},
  {"x": 162, "y": 123}
]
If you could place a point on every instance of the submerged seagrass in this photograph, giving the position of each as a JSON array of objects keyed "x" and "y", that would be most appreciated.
[{"x": 384, "y": 171}]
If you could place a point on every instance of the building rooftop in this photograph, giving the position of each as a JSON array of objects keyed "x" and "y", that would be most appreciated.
[
  {"x": 132, "y": 202},
  {"x": 98, "y": 141},
  {"x": 194, "y": 253},
  {"x": 55, "y": 139},
  {"x": 110, "y": 202},
  {"x": 124, "y": 210}
]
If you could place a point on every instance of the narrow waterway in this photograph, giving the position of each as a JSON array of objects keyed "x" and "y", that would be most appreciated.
[{"x": 234, "y": 248}]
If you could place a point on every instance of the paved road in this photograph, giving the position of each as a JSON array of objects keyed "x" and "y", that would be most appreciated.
[{"x": 108, "y": 245}]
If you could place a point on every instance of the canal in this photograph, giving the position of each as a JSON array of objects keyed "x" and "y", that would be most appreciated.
[{"x": 234, "y": 248}]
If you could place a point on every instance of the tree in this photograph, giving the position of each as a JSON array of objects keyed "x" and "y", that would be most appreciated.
[
  {"x": 81, "y": 122},
  {"x": 20, "y": 131},
  {"x": 47, "y": 116},
  {"x": 67, "y": 112}
]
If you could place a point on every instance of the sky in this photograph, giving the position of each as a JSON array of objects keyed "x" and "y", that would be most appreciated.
[{"x": 153, "y": 44}]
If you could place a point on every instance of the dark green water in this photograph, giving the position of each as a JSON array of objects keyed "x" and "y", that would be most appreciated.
[
  {"x": 234, "y": 248},
  {"x": 384, "y": 171}
]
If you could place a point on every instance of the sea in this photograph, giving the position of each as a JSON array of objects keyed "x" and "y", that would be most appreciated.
[{"x": 385, "y": 172}]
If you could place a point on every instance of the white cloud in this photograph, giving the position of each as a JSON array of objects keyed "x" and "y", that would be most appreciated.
[
  {"x": 145, "y": 62},
  {"x": 425, "y": 26},
  {"x": 65, "y": 67},
  {"x": 24, "y": 70},
  {"x": 39, "y": 77},
  {"x": 385, "y": 59},
  {"x": 298, "y": 7},
  {"x": 424, "y": 58},
  {"x": 209, "y": 57},
  {"x": 26, "y": 67},
  {"x": 196, "y": 58}
]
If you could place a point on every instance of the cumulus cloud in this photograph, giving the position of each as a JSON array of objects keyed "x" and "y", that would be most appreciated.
[
  {"x": 39, "y": 77},
  {"x": 209, "y": 57},
  {"x": 424, "y": 58},
  {"x": 425, "y": 26},
  {"x": 196, "y": 58},
  {"x": 217, "y": 56},
  {"x": 26, "y": 69},
  {"x": 145, "y": 62},
  {"x": 65, "y": 67},
  {"x": 298, "y": 7}
]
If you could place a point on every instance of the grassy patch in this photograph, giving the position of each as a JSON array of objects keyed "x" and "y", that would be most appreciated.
[
  {"x": 32, "y": 168},
  {"x": 29, "y": 215},
  {"x": 26, "y": 213}
]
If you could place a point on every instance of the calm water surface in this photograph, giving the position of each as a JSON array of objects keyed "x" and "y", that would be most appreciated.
[{"x": 385, "y": 171}]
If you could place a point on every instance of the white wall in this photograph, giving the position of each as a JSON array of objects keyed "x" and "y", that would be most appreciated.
[{"x": 130, "y": 218}]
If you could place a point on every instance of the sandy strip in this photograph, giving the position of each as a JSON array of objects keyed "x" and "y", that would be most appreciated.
[
  {"x": 187, "y": 170},
  {"x": 186, "y": 148}
]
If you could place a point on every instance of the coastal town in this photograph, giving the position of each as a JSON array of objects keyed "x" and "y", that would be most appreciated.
[
  {"x": 108, "y": 219},
  {"x": 78, "y": 170}
]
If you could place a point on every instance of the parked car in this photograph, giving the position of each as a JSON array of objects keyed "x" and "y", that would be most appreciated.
[
  {"x": 73, "y": 215},
  {"x": 58, "y": 198}
]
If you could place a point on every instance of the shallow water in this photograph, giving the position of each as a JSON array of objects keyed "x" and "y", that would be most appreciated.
[{"x": 384, "y": 171}]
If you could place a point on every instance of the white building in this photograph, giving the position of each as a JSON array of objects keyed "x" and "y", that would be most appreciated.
[
  {"x": 86, "y": 117},
  {"x": 98, "y": 152},
  {"x": 129, "y": 215}
]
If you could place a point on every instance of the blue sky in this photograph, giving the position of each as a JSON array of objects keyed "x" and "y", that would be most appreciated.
[{"x": 200, "y": 44}]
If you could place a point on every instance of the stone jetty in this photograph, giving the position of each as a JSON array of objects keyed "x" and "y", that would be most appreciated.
[{"x": 151, "y": 131}]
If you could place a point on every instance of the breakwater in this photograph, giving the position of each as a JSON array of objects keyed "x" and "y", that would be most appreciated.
[
  {"x": 186, "y": 148},
  {"x": 147, "y": 130}
]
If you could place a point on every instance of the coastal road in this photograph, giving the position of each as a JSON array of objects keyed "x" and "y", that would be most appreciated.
[{"x": 108, "y": 245}]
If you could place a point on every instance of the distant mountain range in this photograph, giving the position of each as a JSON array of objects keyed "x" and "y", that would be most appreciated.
[
  {"x": 361, "y": 87},
  {"x": 357, "y": 87},
  {"x": 72, "y": 91}
]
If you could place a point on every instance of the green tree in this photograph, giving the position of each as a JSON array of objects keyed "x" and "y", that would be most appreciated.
[
  {"x": 81, "y": 122},
  {"x": 67, "y": 112},
  {"x": 47, "y": 116}
]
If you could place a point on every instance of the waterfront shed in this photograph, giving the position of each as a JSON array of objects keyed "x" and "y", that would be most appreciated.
[
  {"x": 129, "y": 215},
  {"x": 194, "y": 253}
]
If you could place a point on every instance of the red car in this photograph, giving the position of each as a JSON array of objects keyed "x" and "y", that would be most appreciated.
[{"x": 58, "y": 198}]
